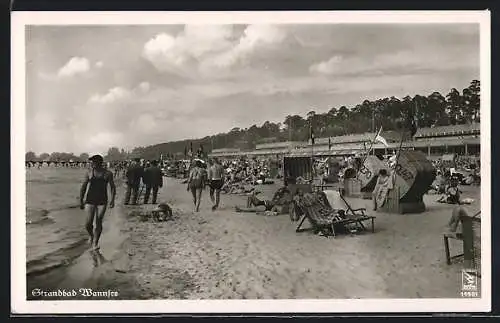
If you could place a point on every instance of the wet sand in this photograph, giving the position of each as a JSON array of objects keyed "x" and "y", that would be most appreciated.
[{"x": 229, "y": 255}]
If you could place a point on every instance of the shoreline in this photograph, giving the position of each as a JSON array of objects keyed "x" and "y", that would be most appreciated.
[{"x": 229, "y": 255}]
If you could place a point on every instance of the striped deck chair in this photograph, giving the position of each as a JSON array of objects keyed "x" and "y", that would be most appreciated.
[{"x": 324, "y": 218}]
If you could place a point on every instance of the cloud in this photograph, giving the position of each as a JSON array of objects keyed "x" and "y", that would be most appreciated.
[
  {"x": 99, "y": 64},
  {"x": 76, "y": 65},
  {"x": 113, "y": 95},
  {"x": 180, "y": 53},
  {"x": 254, "y": 37},
  {"x": 202, "y": 50},
  {"x": 397, "y": 62},
  {"x": 327, "y": 67},
  {"x": 144, "y": 87}
]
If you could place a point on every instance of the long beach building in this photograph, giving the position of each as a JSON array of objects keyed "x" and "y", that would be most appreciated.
[{"x": 459, "y": 139}]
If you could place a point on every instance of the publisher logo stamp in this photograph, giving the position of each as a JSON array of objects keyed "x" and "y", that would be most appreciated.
[{"x": 469, "y": 283}]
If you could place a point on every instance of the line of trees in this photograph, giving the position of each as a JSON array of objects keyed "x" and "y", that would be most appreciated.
[
  {"x": 456, "y": 107},
  {"x": 55, "y": 156}
]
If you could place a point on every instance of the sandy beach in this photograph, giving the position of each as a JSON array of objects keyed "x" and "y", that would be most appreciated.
[{"x": 229, "y": 255}]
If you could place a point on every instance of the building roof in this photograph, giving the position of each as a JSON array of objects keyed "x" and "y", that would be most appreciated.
[
  {"x": 453, "y": 130},
  {"x": 282, "y": 144},
  {"x": 223, "y": 150}
]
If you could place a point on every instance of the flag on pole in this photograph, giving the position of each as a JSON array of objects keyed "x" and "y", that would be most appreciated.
[{"x": 381, "y": 139}]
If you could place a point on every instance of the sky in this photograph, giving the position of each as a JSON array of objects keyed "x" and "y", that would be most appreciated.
[{"x": 89, "y": 88}]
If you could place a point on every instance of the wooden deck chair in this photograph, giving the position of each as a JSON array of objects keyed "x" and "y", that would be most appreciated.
[
  {"x": 467, "y": 238},
  {"x": 357, "y": 216},
  {"x": 321, "y": 218},
  {"x": 446, "y": 238}
]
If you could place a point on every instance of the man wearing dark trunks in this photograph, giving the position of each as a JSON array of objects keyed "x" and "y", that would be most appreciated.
[
  {"x": 196, "y": 183},
  {"x": 216, "y": 180},
  {"x": 95, "y": 198}
]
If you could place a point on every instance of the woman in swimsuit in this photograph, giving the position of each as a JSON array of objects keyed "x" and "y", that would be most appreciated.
[{"x": 96, "y": 197}]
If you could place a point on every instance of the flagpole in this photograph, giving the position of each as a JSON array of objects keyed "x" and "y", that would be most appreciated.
[
  {"x": 371, "y": 145},
  {"x": 311, "y": 135}
]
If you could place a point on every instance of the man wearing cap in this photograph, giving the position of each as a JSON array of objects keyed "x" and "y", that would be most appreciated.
[
  {"x": 133, "y": 179},
  {"x": 153, "y": 178},
  {"x": 95, "y": 198}
]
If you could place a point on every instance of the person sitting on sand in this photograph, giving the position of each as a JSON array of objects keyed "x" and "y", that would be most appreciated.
[
  {"x": 452, "y": 194},
  {"x": 96, "y": 197},
  {"x": 196, "y": 183},
  {"x": 279, "y": 203}
]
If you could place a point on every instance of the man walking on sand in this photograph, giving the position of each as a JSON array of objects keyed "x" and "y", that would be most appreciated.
[
  {"x": 216, "y": 181},
  {"x": 196, "y": 183},
  {"x": 95, "y": 198},
  {"x": 133, "y": 180},
  {"x": 153, "y": 178}
]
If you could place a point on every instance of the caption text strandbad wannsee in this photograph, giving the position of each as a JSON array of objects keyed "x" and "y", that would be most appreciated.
[{"x": 82, "y": 292}]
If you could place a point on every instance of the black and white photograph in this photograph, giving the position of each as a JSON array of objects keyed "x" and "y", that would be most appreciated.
[{"x": 251, "y": 162}]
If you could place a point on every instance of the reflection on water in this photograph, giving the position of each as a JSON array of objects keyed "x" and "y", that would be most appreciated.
[{"x": 97, "y": 258}]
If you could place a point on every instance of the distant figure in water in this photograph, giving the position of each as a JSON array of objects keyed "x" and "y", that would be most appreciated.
[{"x": 96, "y": 197}]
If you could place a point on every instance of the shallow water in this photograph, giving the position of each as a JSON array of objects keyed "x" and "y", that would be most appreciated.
[{"x": 54, "y": 223}]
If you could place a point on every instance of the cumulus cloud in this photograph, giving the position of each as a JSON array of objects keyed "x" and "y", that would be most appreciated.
[
  {"x": 76, "y": 65},
  {"x": 327, "y": 67},
  {"x": 181, "y": 52},
  {"x": 113, "y": 95},
  {"x": 208, "y": 48},
  {"x": 144, "y": 87}
]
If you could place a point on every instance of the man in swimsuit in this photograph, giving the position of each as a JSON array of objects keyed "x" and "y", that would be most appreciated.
[
  {"x": 96, "y": 197},
  {"x": 216, "y": 181},
  {"x": 196, "y": 183}
]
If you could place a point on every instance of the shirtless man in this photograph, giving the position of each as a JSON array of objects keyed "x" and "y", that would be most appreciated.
[
  {"x": 196, "y": 183},
  {"x": 96, "y": 197},
  {"x": 216, "y": 181}
]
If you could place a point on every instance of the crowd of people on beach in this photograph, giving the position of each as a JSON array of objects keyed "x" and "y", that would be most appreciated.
[{"x": 144, "y": 178}]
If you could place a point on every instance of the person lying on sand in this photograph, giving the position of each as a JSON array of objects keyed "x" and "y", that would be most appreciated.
[
  {"x": 279, "y": 203},
  {"x": 163, "y": 212}
]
